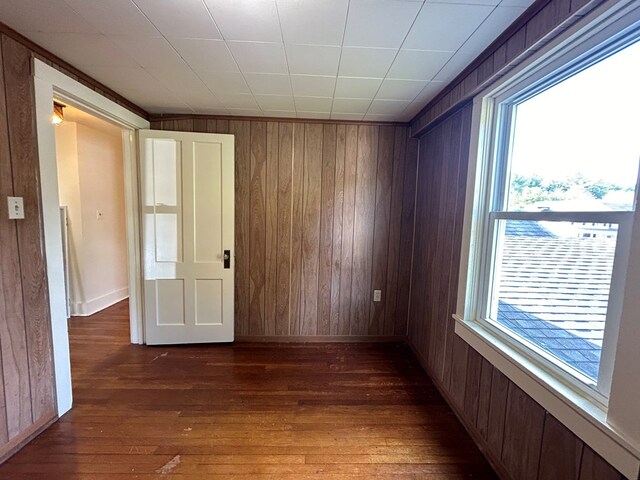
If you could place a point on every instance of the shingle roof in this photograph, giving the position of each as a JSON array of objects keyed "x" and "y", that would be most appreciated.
[{"x": 554, "y": 291}]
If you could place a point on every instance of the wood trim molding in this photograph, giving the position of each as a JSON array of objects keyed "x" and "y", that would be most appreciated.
[
  {"x": 168, "y": 117},
  {"x": 56, "y": 62},
  {"x": 320, "y": 339},
  {"x": 24, "y": 437}
]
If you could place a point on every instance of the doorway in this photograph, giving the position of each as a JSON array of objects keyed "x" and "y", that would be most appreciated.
[
  {"x": 50, "y": 84},
  {"x": 90, "y": 167}
]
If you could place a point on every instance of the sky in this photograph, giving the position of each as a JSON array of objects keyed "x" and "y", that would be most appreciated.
[{"x": 588, "y": 124}]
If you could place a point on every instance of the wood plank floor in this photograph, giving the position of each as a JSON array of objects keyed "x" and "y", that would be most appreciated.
[{"x": 258, "y": 411}]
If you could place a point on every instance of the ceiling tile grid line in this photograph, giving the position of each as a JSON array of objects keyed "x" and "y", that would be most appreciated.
[{"x": 371, "y": 59}]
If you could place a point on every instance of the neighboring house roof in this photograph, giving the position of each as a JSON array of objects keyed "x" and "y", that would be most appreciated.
[{"x": 554, "y": 291}]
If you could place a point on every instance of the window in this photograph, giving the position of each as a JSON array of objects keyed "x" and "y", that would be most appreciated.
[
  {"x": 558, "y": 194},
  {"x": 549, "y": 288},
  {"x": 562, "y": 194}
]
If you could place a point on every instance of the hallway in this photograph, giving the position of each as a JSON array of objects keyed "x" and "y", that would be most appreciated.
[{"x": 259, "y": 411}]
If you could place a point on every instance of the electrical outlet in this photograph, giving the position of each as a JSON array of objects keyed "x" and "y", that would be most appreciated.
[{"x": 377, "y": 295}]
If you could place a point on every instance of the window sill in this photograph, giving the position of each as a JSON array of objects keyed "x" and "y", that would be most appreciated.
[{"x": 577, "y": 412}]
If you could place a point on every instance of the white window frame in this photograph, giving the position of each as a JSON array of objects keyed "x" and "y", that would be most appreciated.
[{"x": 598, "y": 415}]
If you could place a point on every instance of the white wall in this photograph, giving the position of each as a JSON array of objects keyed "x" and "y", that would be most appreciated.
[{"x": 91, "y": 179}]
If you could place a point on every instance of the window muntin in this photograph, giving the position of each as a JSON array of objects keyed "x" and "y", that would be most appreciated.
[{"x": 584, "y": 201}]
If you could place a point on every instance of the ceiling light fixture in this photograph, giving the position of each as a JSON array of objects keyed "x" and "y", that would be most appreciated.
[{"x": 58, "y": 116}]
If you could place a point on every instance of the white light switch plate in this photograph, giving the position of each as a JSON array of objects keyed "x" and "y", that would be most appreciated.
[
  {"x": 16, "y": 208},
  {"x": 377, "y": 295}
]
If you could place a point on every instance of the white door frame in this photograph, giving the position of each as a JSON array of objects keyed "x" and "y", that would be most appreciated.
[{"x": 50, "y": 82}]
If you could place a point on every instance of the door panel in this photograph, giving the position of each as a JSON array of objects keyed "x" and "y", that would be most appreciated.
[{"x": 188, "y": 222}]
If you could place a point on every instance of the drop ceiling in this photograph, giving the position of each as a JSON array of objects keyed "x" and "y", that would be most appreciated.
[{"x": 379, "y": 60}]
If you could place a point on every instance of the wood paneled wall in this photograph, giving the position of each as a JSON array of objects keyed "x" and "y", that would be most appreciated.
[
  {"x": 27, "y": 400},
  {"x": 324, "y": 215},
  {"x": 523, "y": 441}
]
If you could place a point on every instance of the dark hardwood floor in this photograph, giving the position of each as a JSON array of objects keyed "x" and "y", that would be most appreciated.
[{"x": 254, "y": 411}]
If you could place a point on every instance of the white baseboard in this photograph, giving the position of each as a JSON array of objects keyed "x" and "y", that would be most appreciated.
[{"x": 84, "y": 309}]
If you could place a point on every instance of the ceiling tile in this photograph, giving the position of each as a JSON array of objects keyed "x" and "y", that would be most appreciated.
[
  {"x": 280, "y": 113},
  {"x": 154, "y": 52},
  {"x": 400, "y": 89},
  {"x": 379, "y": 23},
  {"x": 468, "y": 2},
  {"x": 313, "y": 104},
  {"x": 269, "y": 84},
  {"x": 225, "y": 82},
  {"x": 350, "y": 105},
  {"x": 486, "y": 33},
  {"x": 239, "y": 100},
  {"x": 387, "y": 107},
  {"x": 122, "y": 77},
  {"x": 246, "y": 112},
  {"x": 442, "y": 26},
  {"x": 417, "y": 64},
  {"x": 313, "y": 59},
  {"x": 354, "y": 87},
  {"x": 259, "y": 57},
  {"x": 38, "y": 16},
  {"x": 276, "y": 102},
  {"x": 365, "y": 62},
  {"x": 313, "y": 85},
  {"x": 312, "y": 115},
  {"x": 516, "y": 3},
  {"x": 186, "y": 18},
  {"x": 115, "y": 17},
  {"x": 205, "y": 55},
  {"x": 429, "y": 92},
  {"x": 179, "y": 80},
  {"x": 247, "y": 20},
  {"x": 452, "y": 68},
  {"x": 198, "y": 100},
  {"x": 156, "y": 99},
  {"x": 211, "y": 111},
  {"x": 320, "y": 23},
  {"x": 380, "y": 118},
  {"x": 346, "y": 116},
  {"x": 80, "y": 49}
]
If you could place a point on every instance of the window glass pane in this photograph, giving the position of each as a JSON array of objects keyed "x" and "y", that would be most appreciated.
[
  {"x": 576, "y": 145},
  {"x": 551, "y": 286}
]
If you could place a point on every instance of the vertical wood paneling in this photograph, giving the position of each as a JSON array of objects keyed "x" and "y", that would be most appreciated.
[
  {"x": 338, "y": 202},
  {"x": 348, "y": 219},
  {"x": 16, "y": 394},
  {"x": 523, "y": 426},
  {"x": 497, "y": 409},
  {"x": 296, "y": 226},
  {"x": 312, "y": 194},
  {"x": 395, "y": 225},
  {"x": 257, "y": 232},
  {"x": 242, "y": 132},
  {"x": 561, "y": 452},
  {"x": 484, "y": 398},
  {"x": 314, "y": 204},
  {"x": 283, "y": 289},
  {"x": 384, "y": 178},
  {"x": 593, "y": 467},
  {"x": 472, "y": 388},
  {"x": 271, "y": 232},
  {"x": 363, "y": 228},
  {"x": 20, "y": 105},
  {"x": 407, "y": 246},
  {"x": 325, "y": 270}
]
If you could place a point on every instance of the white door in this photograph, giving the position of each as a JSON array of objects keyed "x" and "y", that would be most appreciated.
[{"x": 188, "y": 220}]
